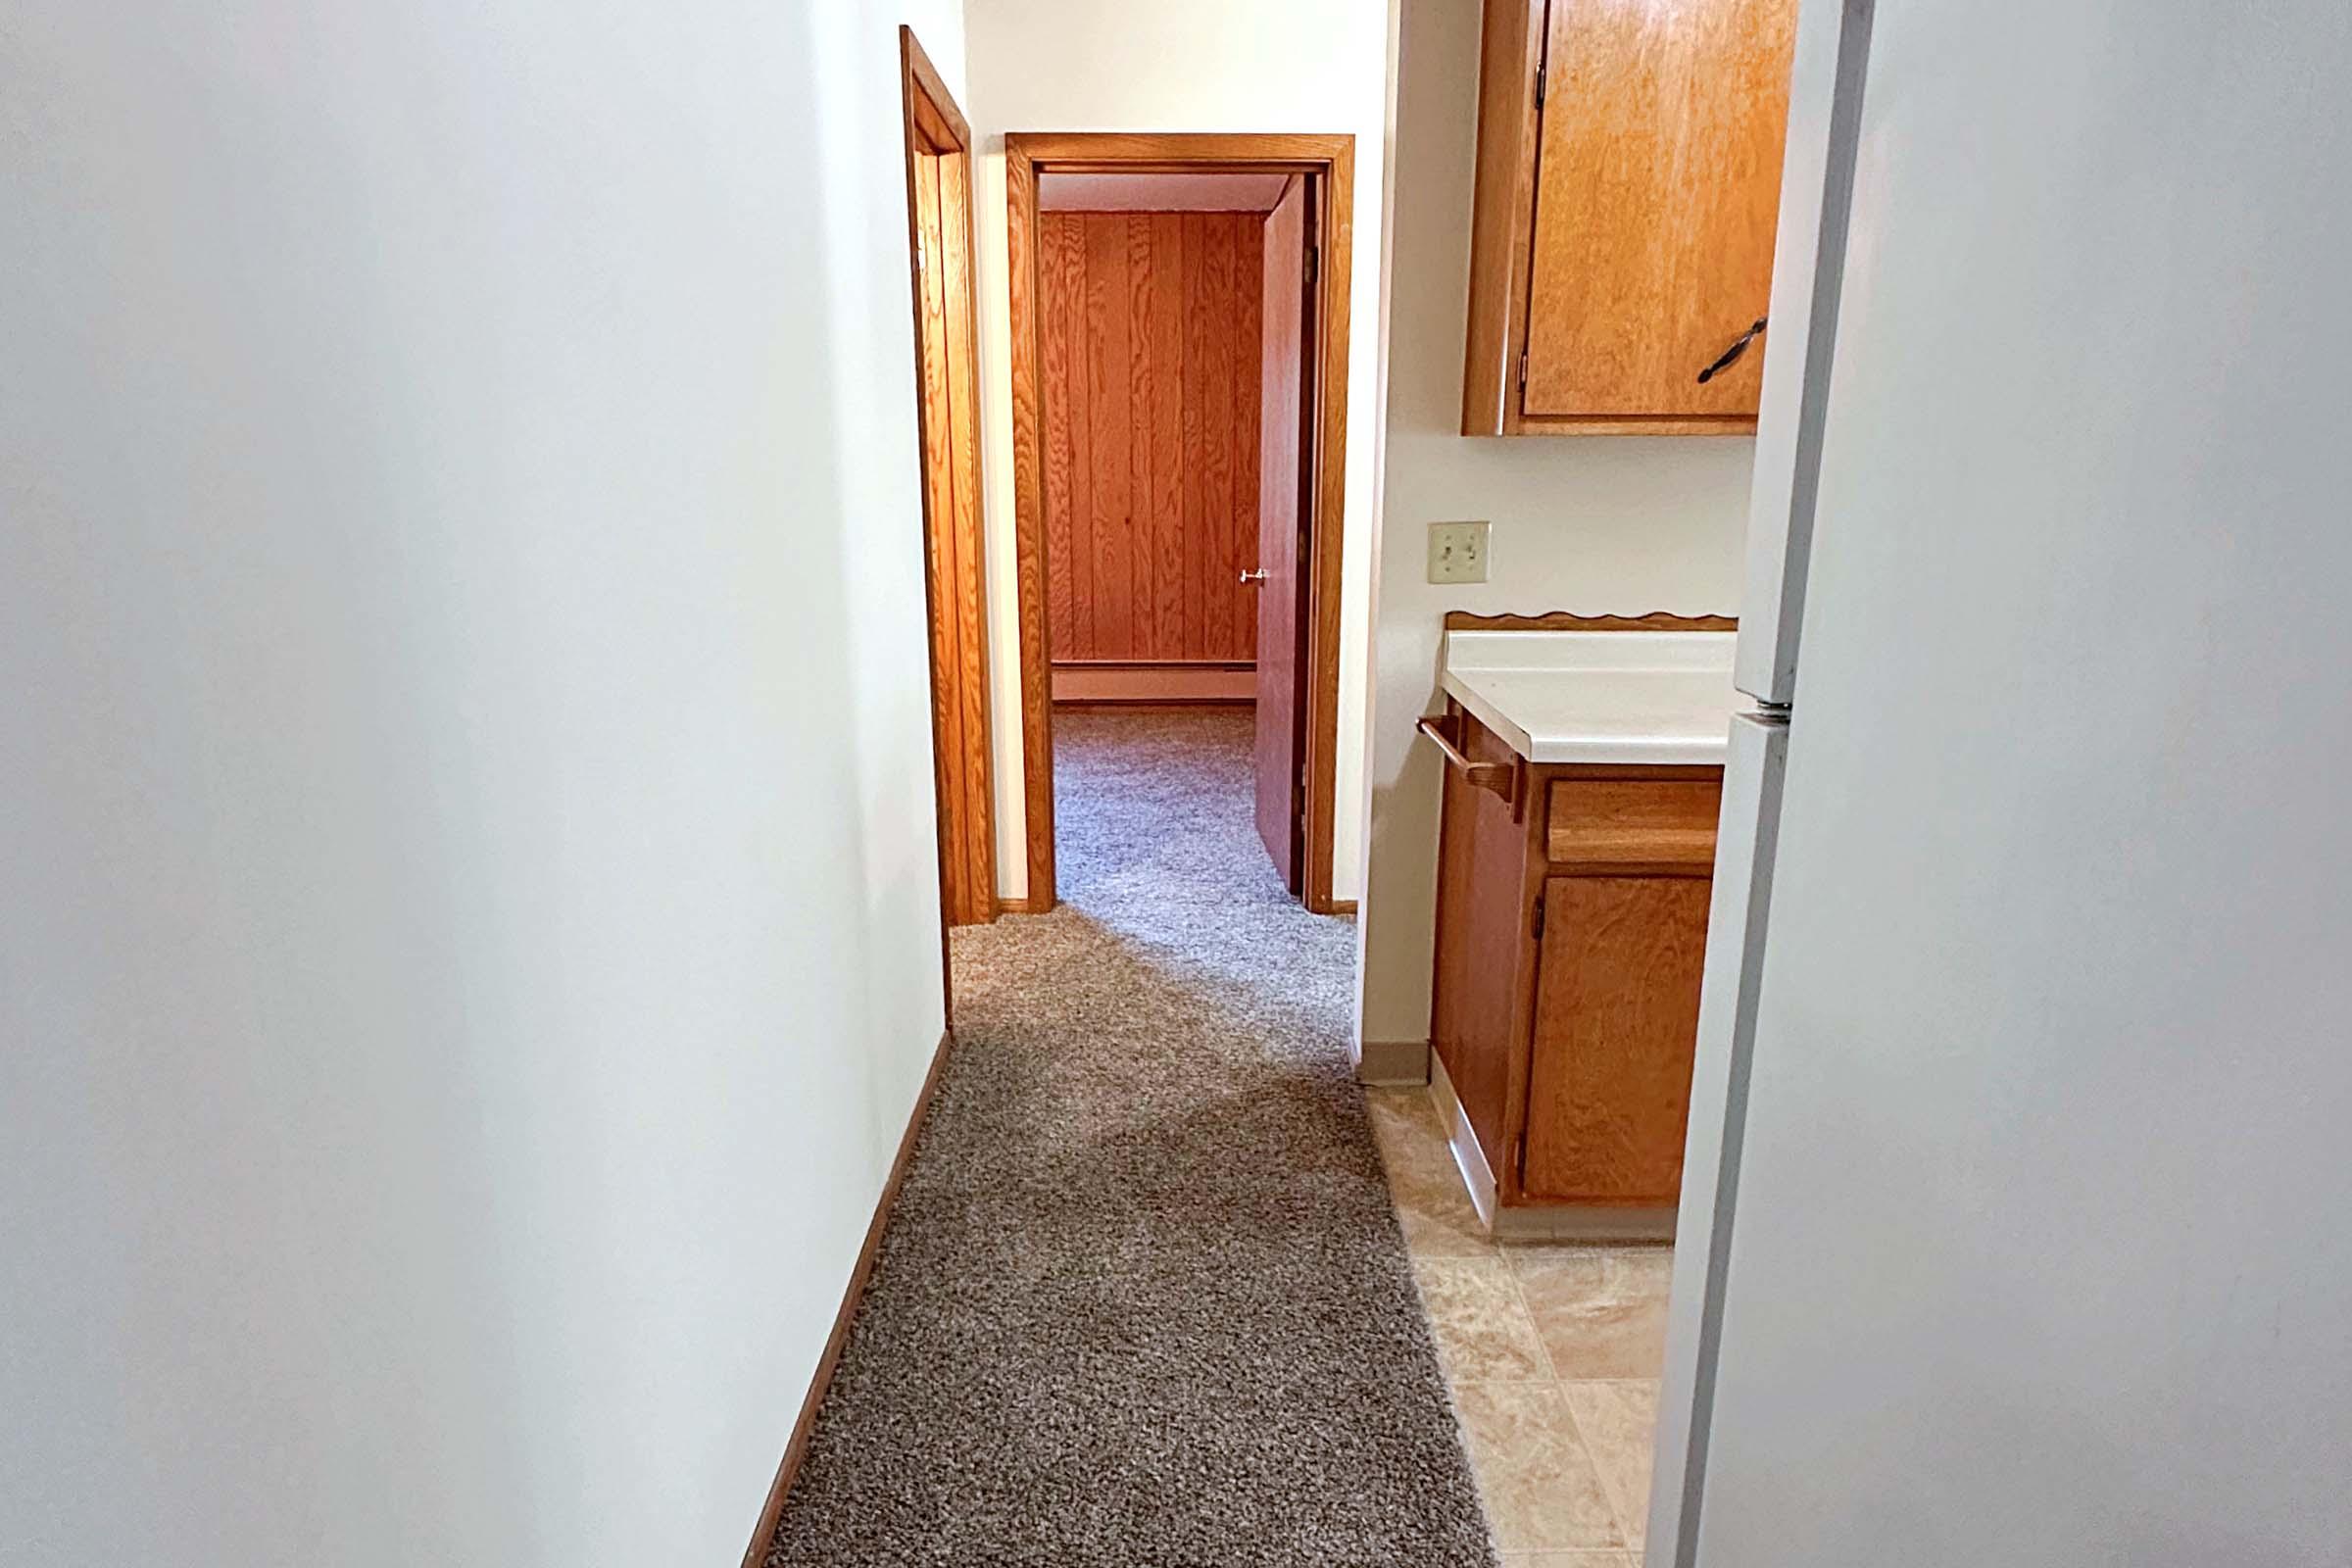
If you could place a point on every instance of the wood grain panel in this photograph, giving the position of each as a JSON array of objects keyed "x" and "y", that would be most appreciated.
[
  {"x": 1200, "y": 334},
  {"x": 1656, "y": 195},
  {"x": 952, "y": 542},
  {"x": 1029, "y": 548},
  {"x": 1661, "y": 823},
  {"x": 1060, "y": 278},
  {"x": 939, "y": 234},
  {"x": 1475, "y": 1020},
  {"x": 1215, "y": 474},
  {"x": 1616, "y": 1024},
  {"x": 1333, "y": 190},
  {"x": 1143, "y": 540},
  {"x": 1202, "y": 590},
  {"x": 1163, "y": 415},
  {"x": 1285, "y": 442},
  {"x": 1148, "y": 351},
  {"x": 1501, "y": 213},
  {"x": 964, "y": 595},
  {"x": 1248, "y": 438},
  {"x": 1108, "y": 419}
]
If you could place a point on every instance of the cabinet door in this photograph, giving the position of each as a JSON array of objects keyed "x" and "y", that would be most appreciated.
[
  {"x": 1481, "y": 941},
  {"x": 1616, "y": 1022},
  {"x": 1658, "y": 178}
]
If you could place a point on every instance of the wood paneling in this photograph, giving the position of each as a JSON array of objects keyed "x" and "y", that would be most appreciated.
[
  {"x": 1286, "y": 442},
  {"x": 1148, "y": 349},
  {"x": 1616, "y": 1025},
  {"x": 1328, "y": 162},
  {"x": 1657, "y": 192}
]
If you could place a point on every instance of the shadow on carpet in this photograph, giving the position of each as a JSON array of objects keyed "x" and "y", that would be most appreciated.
[{"x": 1144, "y": 1298}]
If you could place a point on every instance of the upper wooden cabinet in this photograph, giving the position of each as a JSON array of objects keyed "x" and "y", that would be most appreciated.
[{"x": 1628, "y": 177}]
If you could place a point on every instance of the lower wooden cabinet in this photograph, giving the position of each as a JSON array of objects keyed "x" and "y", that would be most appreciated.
[{"x": 1572, "y": 924}]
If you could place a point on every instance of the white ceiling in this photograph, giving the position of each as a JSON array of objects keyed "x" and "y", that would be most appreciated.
[{"x": 1158, "y": 193}]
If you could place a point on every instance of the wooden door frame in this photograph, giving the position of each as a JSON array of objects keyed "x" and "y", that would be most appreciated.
[
  {"x": 1331, "y": 158},
  {"x": 956, "y": 598}
]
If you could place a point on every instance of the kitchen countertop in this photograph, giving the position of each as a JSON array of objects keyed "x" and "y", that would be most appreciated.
[{"x": 1663, "y": 698}]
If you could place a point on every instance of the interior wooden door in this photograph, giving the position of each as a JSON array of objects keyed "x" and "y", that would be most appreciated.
[
  {"x": 1285, "y": 510},
  {"x": 1608, "y": 1090},
  {"x": 1657, "y": 194}
]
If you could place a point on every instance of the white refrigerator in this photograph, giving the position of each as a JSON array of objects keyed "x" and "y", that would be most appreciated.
[{"x": 2017, "y": 1217}]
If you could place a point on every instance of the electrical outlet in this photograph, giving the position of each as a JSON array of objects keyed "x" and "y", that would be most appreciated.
[{"x": 1457, "y": 552}]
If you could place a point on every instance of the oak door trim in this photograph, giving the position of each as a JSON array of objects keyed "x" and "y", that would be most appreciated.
[
  {"x": 795, "y": 1446},
  {"x": 1331, "y": 158},
  {"x": 956, "y": 602}
]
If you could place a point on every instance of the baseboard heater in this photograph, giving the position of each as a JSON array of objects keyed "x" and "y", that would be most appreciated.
[{"x": 1113, "y": 680}]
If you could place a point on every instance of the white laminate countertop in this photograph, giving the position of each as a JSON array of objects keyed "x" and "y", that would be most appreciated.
[{"x": 1647, "y": 697}]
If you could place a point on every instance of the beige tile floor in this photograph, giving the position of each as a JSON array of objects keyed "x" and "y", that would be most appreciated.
[{"x": 1552, "y": 1352}]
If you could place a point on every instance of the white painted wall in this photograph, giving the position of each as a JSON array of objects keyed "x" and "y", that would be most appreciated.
[
  {"x": 1180, "y": 65},
  {"x": 1596, "y": 524},
  {"x": 464, "y": 783}
]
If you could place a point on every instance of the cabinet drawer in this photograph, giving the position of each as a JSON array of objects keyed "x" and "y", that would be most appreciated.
[{"x": 1661, "y": 823}]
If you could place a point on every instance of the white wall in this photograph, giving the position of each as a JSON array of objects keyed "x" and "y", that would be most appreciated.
[
  {"x": 1180, "y": 65},
  {"x": 465, "y": 784},
  {"x": 1597, "y": 524}
]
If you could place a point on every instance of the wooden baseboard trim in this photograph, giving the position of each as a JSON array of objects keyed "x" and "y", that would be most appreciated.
[
  {"x": 1023, "y": 907},
  {"x": 795, "y": 1447},
  {"x": 1341, "y": 907}
]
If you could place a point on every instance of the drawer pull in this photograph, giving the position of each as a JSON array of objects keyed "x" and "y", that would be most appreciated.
[
  {"x": 1501, "y": 777},
  {"x": 1723, "y": 361}
]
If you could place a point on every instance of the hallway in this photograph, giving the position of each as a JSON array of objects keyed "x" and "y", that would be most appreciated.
[{"x": 1143, "y": 1298}]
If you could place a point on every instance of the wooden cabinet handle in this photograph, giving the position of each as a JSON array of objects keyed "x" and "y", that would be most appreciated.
[
  {"x": 1739, "y": 347},
  {"x": 1501, "y": 777}
]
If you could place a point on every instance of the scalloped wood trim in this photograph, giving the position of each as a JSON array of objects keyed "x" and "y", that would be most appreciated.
[{"x": 1563, "y": 620}]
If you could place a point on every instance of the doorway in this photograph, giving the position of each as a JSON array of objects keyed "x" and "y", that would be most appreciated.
[
  {"x": 939, "y": 219},
  {"x": 1179, "y": 368}
]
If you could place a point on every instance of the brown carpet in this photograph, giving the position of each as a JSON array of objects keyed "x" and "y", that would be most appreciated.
[{"x": 1143, "y": 1300}]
